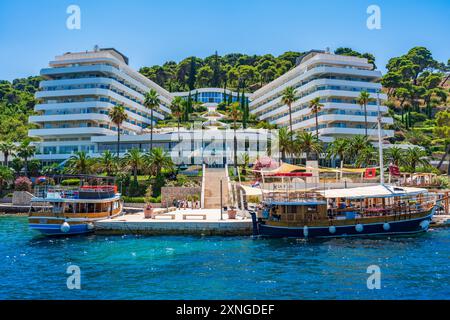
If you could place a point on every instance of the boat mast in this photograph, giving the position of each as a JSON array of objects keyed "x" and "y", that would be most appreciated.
[{"x": 380, "y": 146}]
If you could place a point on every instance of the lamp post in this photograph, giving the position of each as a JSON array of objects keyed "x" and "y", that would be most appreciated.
[{"x": 221, "y": 200}]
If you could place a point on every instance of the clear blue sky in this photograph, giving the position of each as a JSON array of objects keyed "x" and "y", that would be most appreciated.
[{"x": 152, "y": 32}]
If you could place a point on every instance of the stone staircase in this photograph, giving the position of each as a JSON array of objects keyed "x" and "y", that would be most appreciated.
[{"x": 212, "y": 188}]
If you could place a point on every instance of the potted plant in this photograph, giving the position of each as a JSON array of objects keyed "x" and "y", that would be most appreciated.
[
  {"x": 231, "y": 213},
  {"x": 148, "y": 211}
]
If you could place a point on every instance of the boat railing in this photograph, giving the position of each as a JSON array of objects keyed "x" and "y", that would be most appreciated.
[
  {"x": 293, "y": 197},
  {"x": 396, "y": 210},
  {"x": 74, "y": 192}
]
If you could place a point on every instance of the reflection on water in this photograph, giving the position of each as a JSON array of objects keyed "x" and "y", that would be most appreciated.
[{"x": 171, "y": 267}]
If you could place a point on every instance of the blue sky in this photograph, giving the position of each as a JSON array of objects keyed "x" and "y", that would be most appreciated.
[{"x": 152, "y": 32}]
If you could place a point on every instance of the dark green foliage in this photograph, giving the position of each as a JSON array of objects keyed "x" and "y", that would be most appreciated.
[
  {"x": 231, "y": 71},
  {"x": 16, "y": 105}
]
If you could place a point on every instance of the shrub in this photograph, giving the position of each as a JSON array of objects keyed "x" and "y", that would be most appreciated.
[
  {"x": 141, "y": 199},
  {"x": 22, "y": 184},
  {"x": 71, "y": 182}
]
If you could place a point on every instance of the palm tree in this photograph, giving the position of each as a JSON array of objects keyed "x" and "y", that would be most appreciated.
[
  {"x": 363, "y": 100},
  {"x": 107, "y": 163},
  {"x": 7, "y": 148},
  {"x": 416, "y": 156},
  {"x": 395, "y": 155},
  {"x": 25, "y": 151},
  {"x": 356, "y": 143},
  {"x": 151, "y": 101},
  {"x": 118, "y": 116},
  {"x": 5, "y": 175},
  {"x": 316, "y": 107},
  {"x": 134, "y": 160},
  {"x": 16, "y": 165},
  {"x": 366, "y": 156},
  {"x": 306, "y": 142},
  {"x": 338, "y": 148},
  {"x": 176, "y": 108},
  {"x": 288, "y": 98},
  {"x": 234, "y": 112},
  {"x": 80, "y": 163},
  {"x": 245, "y": 162},
  {"x": 157, "y": 160},
  {"x": 284, "y": 142}
]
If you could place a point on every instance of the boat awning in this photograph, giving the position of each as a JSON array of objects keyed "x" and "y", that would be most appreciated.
[
  {"x": 378, "y": 191},
  {"x": 251, "y": 191}
]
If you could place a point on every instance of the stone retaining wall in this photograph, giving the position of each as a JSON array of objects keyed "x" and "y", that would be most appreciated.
[
  {"x": 21, "y": 198},
  {"x": 169, "y": 194}
]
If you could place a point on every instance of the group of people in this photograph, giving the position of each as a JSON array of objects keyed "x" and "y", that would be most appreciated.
[{"x": 186, "y": 204}]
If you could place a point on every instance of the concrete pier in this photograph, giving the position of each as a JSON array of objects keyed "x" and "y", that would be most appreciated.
[
  {"x": 442, "y": 220},
  {"x": 179, "y": 222}
]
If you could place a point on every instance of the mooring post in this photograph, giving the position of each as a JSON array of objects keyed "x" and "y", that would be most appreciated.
[{"x": 221, "y": 200}]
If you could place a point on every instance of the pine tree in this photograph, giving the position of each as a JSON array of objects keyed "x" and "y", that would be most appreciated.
[{"x": 192, "y": 74}]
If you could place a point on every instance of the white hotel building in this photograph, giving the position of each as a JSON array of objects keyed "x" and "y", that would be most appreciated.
[
  {"x": 80, "y": 88},
  {"x": 338, "y": 81}
]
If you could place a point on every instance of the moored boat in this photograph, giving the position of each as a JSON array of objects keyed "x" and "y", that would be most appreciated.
[
  {"x": 62, "y": 210},
  {"x": 379, "y": 210}
]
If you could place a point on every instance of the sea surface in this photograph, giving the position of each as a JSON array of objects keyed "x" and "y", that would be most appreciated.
[{"x": 183, "y": 267}]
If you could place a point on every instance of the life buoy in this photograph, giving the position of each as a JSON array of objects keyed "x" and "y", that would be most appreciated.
[
  {"x": 425, "y": 224},
  {"x": 305, "y": 231},
  {"x": 65, "y": 227},
  {"x": 359, "y": 227}
]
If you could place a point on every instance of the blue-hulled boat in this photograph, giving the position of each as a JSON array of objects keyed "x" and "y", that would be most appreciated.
[{"x": 61, "y": 210}]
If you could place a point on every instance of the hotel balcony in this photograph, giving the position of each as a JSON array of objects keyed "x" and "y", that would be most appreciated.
[
  {"x": 106, "y": 69},
  {"x": 83, "y": 117},
  {"x": 257, "y": 98},
  {"x": 77, "y": 131},
  {"x": 336, "y": 131},
  {"x": 95, "y": 92}
]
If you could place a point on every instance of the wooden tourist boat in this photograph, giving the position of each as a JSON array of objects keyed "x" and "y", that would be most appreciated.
[
  {"x": 363, "y": 211},
  {"x": 58, "y": 210}
]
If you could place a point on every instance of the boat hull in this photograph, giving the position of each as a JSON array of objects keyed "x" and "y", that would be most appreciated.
[
  {"x": 55, "y": 229},
  {"x": 361, "y": 229}
]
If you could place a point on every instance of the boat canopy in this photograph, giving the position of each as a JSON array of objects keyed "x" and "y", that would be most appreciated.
[{"x": 378, "y": 191}]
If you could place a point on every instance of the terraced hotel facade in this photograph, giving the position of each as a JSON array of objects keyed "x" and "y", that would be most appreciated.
[
  {"x": 80, "y": 88},
  {"x": 337, "y": 80}
]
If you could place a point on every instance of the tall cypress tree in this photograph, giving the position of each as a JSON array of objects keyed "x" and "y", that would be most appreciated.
[
  {"x": 215, "y": 81},
  {"x": 244, "y": 111},
  {"x": 230, "y": 98},
  {"x": 224, "y": 99}
]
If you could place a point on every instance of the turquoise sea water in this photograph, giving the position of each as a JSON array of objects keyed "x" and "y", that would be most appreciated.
[{"x": 138, "y": 267}]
